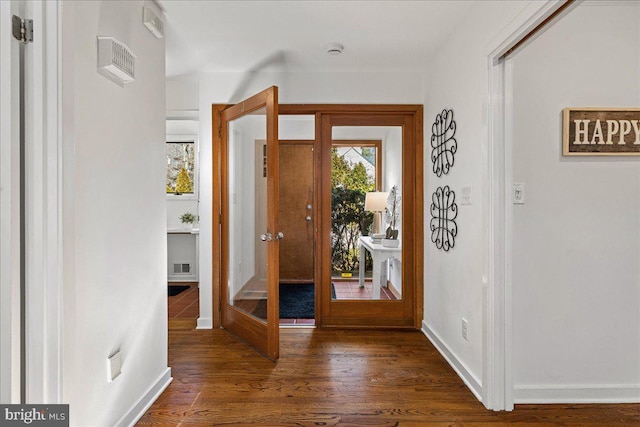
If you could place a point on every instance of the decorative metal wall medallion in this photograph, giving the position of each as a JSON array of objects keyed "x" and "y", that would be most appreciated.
[
  {"x": 443, "y": 143},
  {"x": 444, "y": 212}
]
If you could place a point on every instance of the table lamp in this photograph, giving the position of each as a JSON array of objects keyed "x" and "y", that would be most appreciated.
[{"x": 376, "y": 202}]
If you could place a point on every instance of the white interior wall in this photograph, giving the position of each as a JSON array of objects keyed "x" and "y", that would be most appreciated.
[
  {"x": 182, "y": 93},
  {"x": 114, "y": 216},
  {"x": 221, "y": 88},
  {"x": 176, "y": 126},
  {"x": 455, "y": 281},
  {"x": 296, "y": 127},
  {"x": 392, "y": 175},
  {"x": 392, "y": 158},
  {"x": 176, "y": 207},
  {"x": 235, "y": 181},
  {"x": 576, "y": 246},
  {"x": 182, "y": 249}
]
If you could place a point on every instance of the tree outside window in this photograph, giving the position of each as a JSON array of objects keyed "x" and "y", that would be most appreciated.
[
  {"x": 180, "y": 168},
  {"x": 350, "y": 181}
]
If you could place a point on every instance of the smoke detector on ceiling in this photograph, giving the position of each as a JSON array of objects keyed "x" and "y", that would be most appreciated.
[{"x": 334, "y": 48}]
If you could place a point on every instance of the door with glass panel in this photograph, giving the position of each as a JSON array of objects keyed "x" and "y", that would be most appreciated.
[
  {"x": 249, "y": 221},
  {"x": 369, "y": 241}
]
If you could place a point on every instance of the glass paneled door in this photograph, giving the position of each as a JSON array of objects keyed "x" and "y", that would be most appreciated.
[
  {"x": 369, "y": 236},
  {"x": 250, "y": 236}
]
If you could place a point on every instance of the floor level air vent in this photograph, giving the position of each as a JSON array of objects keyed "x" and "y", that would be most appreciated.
[{"x": 181, "y": 268}]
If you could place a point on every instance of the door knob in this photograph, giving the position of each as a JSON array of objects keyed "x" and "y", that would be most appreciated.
[
  {"x": 309, "y": 207},
  {"x": 308, "y": 218},
  {"x": 279, "y": 235},
  {"x": 267, "y": 237}
]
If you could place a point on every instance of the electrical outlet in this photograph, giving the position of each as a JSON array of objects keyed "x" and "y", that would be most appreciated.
[
  {"x": 114, "y": 366},
  {"x": 465, "y": 329}
]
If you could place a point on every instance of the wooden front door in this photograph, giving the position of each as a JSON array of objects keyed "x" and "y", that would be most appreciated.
[{"x": 295, "y": 215}]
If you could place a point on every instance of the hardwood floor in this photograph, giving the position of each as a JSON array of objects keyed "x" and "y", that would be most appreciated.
[
  {"x": 336, "y": 378},
  {"x": 185, "y": 305},
  {"x": 351, "y": 290}
]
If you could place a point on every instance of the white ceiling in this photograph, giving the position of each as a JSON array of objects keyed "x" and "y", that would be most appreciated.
[{"x": 291, "y": 35}]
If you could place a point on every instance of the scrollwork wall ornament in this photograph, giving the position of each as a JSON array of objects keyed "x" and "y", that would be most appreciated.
[
  {"x": 443, "y": 143},
  {"x": 444, "y": 212}
]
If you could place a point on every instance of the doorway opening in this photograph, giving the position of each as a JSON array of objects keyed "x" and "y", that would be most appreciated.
[
  {"x": 275, "y": 226},
  {"x": 183, "y": 230},
  {"x": 366, "y": 163},
  {"x": 296, "y": 221}
]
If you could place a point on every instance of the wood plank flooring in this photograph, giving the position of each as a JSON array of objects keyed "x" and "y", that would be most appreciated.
[
  {"x": 336, "y": 378},
  {"x": 186, "y": 303}
]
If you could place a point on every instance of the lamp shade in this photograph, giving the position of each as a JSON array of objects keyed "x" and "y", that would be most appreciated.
[{"x": 375, "y": 201}]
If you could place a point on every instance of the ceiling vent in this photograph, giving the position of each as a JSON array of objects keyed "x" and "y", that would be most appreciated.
[
  {"x": 116, "y": 61},
  {"x": 334, "y": 48}
]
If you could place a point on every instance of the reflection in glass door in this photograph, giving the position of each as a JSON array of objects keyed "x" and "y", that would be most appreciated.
[
  {"x": 249, "y": 234},
  {"x": 366, "y": 225},
  {"x": 248, "y": 214}
]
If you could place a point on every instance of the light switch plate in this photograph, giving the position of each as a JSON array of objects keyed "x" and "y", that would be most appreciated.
[
  {"x": 518, "y": 193},
  {"x": 465, "y": 195},
  {"x": 114, "y": 366}
]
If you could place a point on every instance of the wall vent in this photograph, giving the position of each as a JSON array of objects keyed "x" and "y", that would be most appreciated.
[
  {"x": 153, "y": 22},
  {"x": 182, "y": 268},
  {"x": 116, "y": 61}
]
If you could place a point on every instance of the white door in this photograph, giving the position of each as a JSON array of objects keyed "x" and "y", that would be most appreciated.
[
  {"x": 10, "y": 330},
  {"x": 30, "y": 205}
]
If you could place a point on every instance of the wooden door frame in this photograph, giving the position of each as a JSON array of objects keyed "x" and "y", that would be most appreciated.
[
  {"x": 497, "y": 372},
  {"x": 413, "y": 115},
  {"x": 405, "y": 313}
]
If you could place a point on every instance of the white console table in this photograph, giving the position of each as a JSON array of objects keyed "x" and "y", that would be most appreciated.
[{"x": 379, "y": 254}]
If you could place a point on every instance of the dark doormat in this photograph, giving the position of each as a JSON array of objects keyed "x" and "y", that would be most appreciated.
[
  {"x": 296, "y": 301},
  {"x": 176, "y": 289}
]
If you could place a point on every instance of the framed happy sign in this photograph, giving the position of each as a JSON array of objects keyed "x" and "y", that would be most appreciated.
[{"x": 601, "y": 132}]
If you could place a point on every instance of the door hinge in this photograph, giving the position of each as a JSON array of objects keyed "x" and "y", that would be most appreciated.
[{"x": 22, "y": 29}]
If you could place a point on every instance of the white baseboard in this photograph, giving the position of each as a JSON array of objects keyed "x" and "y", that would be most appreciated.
[
  {"x": 467, "y": 377},
  {"x": 146, "y": 400},
  {"x": 606, "y": 393},
  {"x": 204, "y": 323},
  {"x": 397, "y": 292}
]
